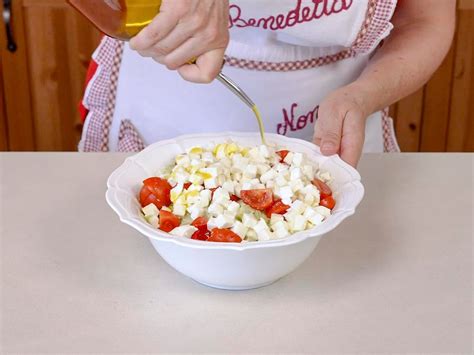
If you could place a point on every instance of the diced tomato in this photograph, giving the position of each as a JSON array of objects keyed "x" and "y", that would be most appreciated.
[
  {"x": 200, "y": 235},
  {"x": 187, "y": 185},
  {"x": 328, "y": 202},
  {"x": 277, "y": 208},
  {"x": 224, "y": 236},
  {"x": 283, "y": 154},
  {"x": 157, "y": 191},
  {"x": 147, "y": 197},
  {"x": 324, "y": 189},
  {"x": 234, "y": 198},
  {"x": 259, "y": 199},
  {"x": 168, "y": 221},
  {"x": 200, "y": 223}
]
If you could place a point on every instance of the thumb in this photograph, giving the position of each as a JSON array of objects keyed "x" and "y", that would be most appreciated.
[{"x": 330, "y": 126}]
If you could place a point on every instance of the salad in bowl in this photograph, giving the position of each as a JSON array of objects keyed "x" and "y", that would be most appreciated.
[
  {"x": 233, "y": 193},
  {"x": 229, "y": 212}
]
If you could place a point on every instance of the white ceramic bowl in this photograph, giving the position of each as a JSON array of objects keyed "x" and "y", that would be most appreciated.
[{"x": 221, "y": 265}]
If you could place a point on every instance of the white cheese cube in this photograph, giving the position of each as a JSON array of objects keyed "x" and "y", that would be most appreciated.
[
  {"x": 249, "y": 220},
  {"x": 221, "y": 179},
  {"x": 281, "y": 233},
  {"x": 281, "y": 181},
  {"x": 265, "y": 235},
  {"x": 297, "y": 207},
  {"x": 297, "y": 159},
  {"x": 236, "y": 177},
  {"x": 196, "y": 211},
  {"x": 309, "y": 212},
  {"x": 268, "y": 176},
  {"x": 316, "y": 219},
  {"x": 289, "y": 158},
  {"x": 211, "y": 183},
  {"x": 154, "y": 220},
  {"x": 280, "y": 230},
  {"x": 324, "y": 176},
  {"x": 223, "y": 221},
  {"x": 261, "y": 226},
  {"x": 279, "y": 168},
  {"x": 229, "y": 186},
  {"x": 215, "y": 209},
  {"x": 287, "y": 201},
  {"x": 251, "y": 236},
  {"x": 284, "y": 192},
  {"x": 150, "y": 210},
  {"x": 264, "y": 152},
  {"x": 250, "y": 171},
  {"x": 184, "y": 231},
  {"x": 295, "y": 174},
  {"x": 221, "y": 196},
  {"x": 247, "y": 185},
  {"x": 308, "y": 171},
  {"x": 263, "y": 168},
  {"x": 296, "y": 185},
  {"x": 237, "y": 189},
  {"x": 275, "y": 218},
  {"x": 324, "y": 211},
  {"x": 239, "y": 229},
  {"x": 270, "y": 184},
  {"x": 179, "y": 210},
  {"x": 299, "y": 223},
  {"x": 309, "y": 199},
  {"x": 233, "y": 207}
]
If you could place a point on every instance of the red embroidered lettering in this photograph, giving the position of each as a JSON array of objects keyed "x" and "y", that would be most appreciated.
[
  {"x": 300, "y": 14},
  {"x": 289, "y": 124}
]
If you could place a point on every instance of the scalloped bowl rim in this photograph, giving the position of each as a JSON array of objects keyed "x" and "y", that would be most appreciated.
[{"x": 143, "y": 227}]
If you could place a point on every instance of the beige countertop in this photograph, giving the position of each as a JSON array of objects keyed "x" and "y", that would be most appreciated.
[{"x": 396, "y": 277}]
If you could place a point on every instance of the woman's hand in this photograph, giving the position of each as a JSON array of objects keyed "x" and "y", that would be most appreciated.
[
  {"x": 184, "y": 30},
  {"x": 340, "y": 128}
]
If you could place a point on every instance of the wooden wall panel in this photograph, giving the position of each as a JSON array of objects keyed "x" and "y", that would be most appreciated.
[
  {"x": 436, "y": 106},
  {"x": 409, "y": 123},
  {"x": 55, "y": 34},
  {"x": 439, "y": 117},
  {"x": 460, "y": 125},
  {"x": 3, "y": 117},
  {"x": 16, "y": 86}
]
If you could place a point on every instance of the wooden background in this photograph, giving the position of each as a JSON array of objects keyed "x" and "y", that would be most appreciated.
[{"x": 42, "y": 83}]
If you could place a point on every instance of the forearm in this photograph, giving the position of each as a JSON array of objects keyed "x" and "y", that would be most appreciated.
[{"x": 405, "y": 63}]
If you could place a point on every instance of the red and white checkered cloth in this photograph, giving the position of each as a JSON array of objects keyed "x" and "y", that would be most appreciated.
[{"x": 100, "y": 96}]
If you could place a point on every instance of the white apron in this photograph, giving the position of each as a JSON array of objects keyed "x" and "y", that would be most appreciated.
[{"x": 286, "y": 54}]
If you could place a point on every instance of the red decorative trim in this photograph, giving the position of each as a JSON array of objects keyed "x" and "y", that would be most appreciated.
[
  {"x": 390, "y": 144},
  {"x": 100, "y": 96},
  {"x": 288, "y": 66},
  {"x": 377, "y": 22},
  {"x": 91, "y": 71},
  {"x": 129, "y": 140}
]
